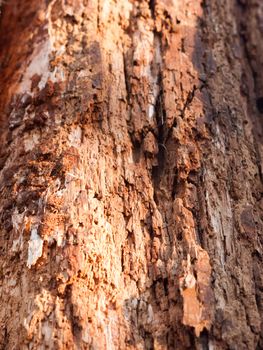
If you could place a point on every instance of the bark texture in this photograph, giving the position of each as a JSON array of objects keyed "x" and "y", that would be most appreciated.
[{"x": 131, "y": 174}]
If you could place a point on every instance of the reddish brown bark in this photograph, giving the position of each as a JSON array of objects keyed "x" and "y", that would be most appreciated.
[{"x": 131, "y": 174}]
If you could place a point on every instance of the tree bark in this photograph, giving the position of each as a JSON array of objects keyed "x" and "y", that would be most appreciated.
[{"x": 131, "y": 174}]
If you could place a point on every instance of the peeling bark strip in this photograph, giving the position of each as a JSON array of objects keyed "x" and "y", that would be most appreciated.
[{"x": 131, "y": 174}]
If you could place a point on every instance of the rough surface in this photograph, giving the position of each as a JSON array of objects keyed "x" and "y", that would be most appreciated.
[{"x": 131, "y": 174}]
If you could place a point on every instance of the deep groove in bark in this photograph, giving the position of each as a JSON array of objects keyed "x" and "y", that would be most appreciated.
[{"x": 127, "y": 79}]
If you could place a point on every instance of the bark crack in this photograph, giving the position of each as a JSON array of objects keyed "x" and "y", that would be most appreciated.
[
  {"x": 127, "y": 79},
  {"x": 189, "y": 100}
]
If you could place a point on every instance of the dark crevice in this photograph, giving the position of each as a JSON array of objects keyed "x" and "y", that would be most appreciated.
[
  {"x": 175, "y": 183},
  {"x": 136, "y": 150},
  {"x": 155, "y": 178},
  {"x": 152, "y": 7},
  {"x": 161, "y": 122},
  {"x": 98, "y": 15},
  {"x": 260, "y": 104},
  {"x": 204, "y": 340},
  {"x": 122, "y": 260},
  {"x": 76, "y": 329},
  {"x": 160, "y": 114},
  {"x": 126, "y": 78},
  {"x": 189, "y": 100}
]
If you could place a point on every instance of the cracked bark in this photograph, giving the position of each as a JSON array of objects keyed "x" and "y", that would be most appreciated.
[{"x": 131, "y": 174}]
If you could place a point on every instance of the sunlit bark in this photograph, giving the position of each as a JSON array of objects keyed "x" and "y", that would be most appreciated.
[{"x": 131, "y": 174}]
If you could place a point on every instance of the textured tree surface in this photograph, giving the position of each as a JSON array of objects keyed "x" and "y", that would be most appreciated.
[{"x": 131, "y": 174}]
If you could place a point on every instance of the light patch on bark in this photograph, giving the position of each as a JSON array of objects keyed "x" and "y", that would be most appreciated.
[
  {"x": 221, "y": 218},
  {"x": 219, "y": 141},
  {"x": 150, "y": 315},
  {"x": 154, "y": 79},
  {"x": 85, "y": 335},
  {"x": 35, "y": 248},
  {"x": 151, "y": 111},
  {"x": 11, "y": 282},
  {"x": 17, "y": 244},
  {"x": 57, "y": 236},
  {"x": 56, "y": 34},
  {"x": 210, "y": 345},
  {"x": 47, "y": 332},
  {"x": 73, "y": 11},
  {"x": 217, "y": 227},
  {"x": 109, "y": 341},
  {"x": 39, "y": 65},
  {"x": 17, "y": 222},
  {"x": 31, "y": 142},
  {"x": 75, "y": 137},
  {"x": 17, "y": 219}
]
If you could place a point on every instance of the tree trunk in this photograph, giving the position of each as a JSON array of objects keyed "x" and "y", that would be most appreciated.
[{"x": 131, "y": 174}]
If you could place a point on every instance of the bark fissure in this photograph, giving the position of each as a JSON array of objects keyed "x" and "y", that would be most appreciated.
[{"x": 127, "y": 79}]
